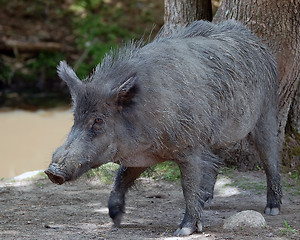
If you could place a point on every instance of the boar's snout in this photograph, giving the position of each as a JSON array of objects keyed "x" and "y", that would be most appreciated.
[
  {"x": 55, "y": 175},
  {"x": 55, "y": 178}
]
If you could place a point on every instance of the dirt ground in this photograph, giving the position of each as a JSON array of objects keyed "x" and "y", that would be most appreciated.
[{"x": 37, "y": 209}]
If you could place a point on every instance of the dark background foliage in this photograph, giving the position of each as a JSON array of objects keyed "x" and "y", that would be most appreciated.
[{"x": 36, "y": 35}]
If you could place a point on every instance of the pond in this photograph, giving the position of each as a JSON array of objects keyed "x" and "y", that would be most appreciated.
[{"x": 28, "y": 139}]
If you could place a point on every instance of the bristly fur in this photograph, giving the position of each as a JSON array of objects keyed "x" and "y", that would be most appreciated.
[
  {"x": 202, "y": 85},
  {"x": 195, "y": 29},
  {"x": 185, "y": 96},
  {"x": 196, "y": 82}
]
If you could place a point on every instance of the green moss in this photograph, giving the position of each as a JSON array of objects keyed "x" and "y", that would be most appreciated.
[
  {"x": 106, "y": 173},
  {"x": 228, "y": 172},
  {"x": 246, "y": 183},
  {"x": 292, "y": 186},
  {"x": 168, "y": 171}
]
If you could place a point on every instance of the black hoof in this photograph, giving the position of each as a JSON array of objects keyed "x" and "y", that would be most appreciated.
[
  {"x": 272, "y": 209},
  {"x": 116, "y": 206},
  {"x": 188, "y": 229}
]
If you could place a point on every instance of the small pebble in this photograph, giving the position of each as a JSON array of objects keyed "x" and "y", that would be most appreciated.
[{"x": 51, "y": 226}]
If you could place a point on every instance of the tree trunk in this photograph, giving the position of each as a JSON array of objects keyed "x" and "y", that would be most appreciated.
[
  {"x": 295, "y": 112},
  {"x": 277, "y": 23},
  {"x": 182, "y": 12}
]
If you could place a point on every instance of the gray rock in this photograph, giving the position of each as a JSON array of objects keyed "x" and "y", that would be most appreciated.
[{"x": 243, "y": 219}]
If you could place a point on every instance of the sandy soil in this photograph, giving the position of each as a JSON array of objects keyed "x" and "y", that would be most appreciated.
[{"x": 38, "y": 209}]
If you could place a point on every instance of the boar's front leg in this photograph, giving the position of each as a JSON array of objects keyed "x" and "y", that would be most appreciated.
[
  {"x": 198, "y": 176},
  {"x": 124, "y": 180}
]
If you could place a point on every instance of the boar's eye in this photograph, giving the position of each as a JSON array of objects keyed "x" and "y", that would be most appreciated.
[
  {"x": 98, "y": 120},
  {"x": 97, "y": 125}
]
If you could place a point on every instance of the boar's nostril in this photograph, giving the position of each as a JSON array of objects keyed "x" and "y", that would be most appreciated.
[{"x": 55, "y": 178}]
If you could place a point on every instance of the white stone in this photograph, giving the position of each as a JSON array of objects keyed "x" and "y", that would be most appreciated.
[{"x": 245, "y": 219}]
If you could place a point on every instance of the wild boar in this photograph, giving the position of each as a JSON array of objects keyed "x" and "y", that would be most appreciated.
[{"x": 184, "y": 97}]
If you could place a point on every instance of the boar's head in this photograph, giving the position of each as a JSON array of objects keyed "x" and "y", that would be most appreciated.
[{"x": 92, "y": 140}]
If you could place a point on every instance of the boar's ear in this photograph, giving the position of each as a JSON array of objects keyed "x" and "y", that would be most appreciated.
[
  {"x": 66, "y": 73},
  {"x": 125, "y": 93}
]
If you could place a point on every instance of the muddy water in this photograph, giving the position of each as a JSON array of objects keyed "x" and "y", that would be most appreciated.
[{"x": 27, "y": 139}]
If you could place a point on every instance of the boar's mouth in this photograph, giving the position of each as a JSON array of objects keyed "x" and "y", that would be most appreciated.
[{"x": 56, "y": 176}]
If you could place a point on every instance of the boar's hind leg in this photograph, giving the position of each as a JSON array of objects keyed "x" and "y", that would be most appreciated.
[
  {"x": 265, "y": 138},
  {"x": 124, "y": 180},
  {"x": 198, "y": 176}
]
